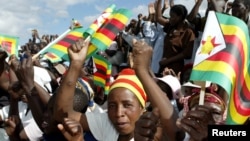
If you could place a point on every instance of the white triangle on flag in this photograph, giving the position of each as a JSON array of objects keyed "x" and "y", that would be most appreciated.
[{"x": 212, "y": 40}]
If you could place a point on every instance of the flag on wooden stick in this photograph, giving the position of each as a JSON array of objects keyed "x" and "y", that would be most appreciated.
[{"x": 223, "y": 58}]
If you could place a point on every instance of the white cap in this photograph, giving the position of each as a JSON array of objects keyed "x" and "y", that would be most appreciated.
[
  {"x": 193, "y": 85},
  {"x": 173, "y": 83}
]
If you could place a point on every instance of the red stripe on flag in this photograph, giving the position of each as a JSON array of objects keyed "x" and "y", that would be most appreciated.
[
  {"x": 72, "y": 37},
  {"x": 100, "y": 75},
  {"x": 7, "y": 46},
  {"x": 117, "y": 24},
  {"x": 226, "y": 57},
  {"x": 64, "y": 43},
  {"x": 51, "y": 55},
  {"x": 241, "y": 89},
  {"x": 108, "y": 33},
  {"x": 101, "y": 67}
]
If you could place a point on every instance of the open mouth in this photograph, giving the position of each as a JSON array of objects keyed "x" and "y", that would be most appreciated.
[{"x": 121, "y": 125}]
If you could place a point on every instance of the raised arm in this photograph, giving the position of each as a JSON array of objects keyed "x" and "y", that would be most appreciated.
[
  {"x": 195, "y": 10},
  {"x": 142, "y": 54},
  {"x": 159, "y": 18},
  {"x": 65, "y": 95},
  {"x": 37, "y": 97}
]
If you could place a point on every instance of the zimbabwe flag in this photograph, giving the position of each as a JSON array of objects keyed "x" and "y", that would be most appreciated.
[
  {"x": 223, "y": 58},
  {"x": 9, "y": 44},
  {"x": 60, "y": 48},
  {"x": 103, "y": 72},
  {"x": 104, "y": 36},
  {"x": 104, "y": 17}
]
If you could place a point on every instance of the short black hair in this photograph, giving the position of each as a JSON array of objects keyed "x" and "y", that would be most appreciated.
[
  {"x": 81, "y": 101},
  {"x": 179, "y": 10}
]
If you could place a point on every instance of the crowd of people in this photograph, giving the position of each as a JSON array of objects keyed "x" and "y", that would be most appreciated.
[{"x": 150, "y": 96}]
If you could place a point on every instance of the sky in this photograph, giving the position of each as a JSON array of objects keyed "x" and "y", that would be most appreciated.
[{"x": 19, "y": 17}]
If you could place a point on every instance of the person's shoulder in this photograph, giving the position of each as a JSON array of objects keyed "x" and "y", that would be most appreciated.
[{"x": 188, "y": 28}]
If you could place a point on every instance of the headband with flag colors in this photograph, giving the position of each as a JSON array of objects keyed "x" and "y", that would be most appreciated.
[
  {"x": 223, "y": 58},
  {"x": 103, "y": 72},
  {"x": 104, "y": 36},
  {"x": 99, "y": 21},
  {"x": 128, "y": 79},
  {"x": 9, "y": 44}
]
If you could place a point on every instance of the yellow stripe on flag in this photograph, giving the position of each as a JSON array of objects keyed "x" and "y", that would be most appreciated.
[
  {"x": 60, "y": 48},
  {"x": 101, "y": 63},
  {"x": 91, "y": 49},
  {"x": 217, "y": 66},
  {"x": 100, "y": 79},
  {"x": 103, "y": 38},
  {"x": 76, "y": 33},
  {"x": 120, "y": 17}
]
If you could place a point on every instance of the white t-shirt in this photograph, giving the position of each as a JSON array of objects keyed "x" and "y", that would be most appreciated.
[
  {"x": 31, "y": 128},
  {"x": 101, "y": 127},
  {"x": 42, "y": 77}
]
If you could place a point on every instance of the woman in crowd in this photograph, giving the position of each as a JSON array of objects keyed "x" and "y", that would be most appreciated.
[{"x": 126, "y": 101}]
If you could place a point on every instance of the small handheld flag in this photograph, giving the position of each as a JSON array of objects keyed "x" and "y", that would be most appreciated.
[
  {"x": 9, "y": 44},
  {"x": 99, "y": 21},
  {"x": 103, "y": 72},
  {"x": 223, "y": 58}
]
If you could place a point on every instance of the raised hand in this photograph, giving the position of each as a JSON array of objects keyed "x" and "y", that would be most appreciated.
[
  {"x": 78, "y": 51},
  {"x": 10, "y": 125},
  {"x": 166, "y": 4},
  {"x": 151, "y": 8},
  {"x": 25, "y": 73},
  {"x": 142, "y": 54},
  {"x": 146, "y": 126},
  {"x": 71, "y": 130},
  {"x": 196, "y": 122},
  {"x": 168, "y": 71}
]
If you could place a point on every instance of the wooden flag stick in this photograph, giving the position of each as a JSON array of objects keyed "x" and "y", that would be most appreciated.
[
  {"x": 202, "y": 93},
  {"x": 202, "y": 84}
]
